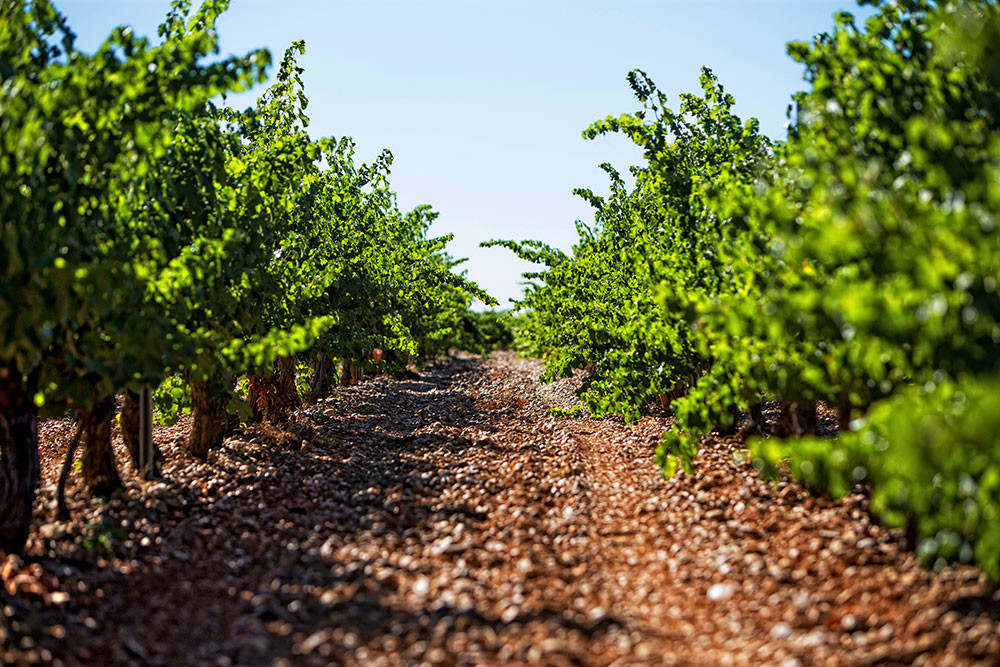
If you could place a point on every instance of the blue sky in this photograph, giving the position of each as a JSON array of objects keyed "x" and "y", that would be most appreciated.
[{"x": 482, "y": 103}]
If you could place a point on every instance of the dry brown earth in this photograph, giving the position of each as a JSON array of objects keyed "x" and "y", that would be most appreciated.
[{"x": 451, "y": 520}]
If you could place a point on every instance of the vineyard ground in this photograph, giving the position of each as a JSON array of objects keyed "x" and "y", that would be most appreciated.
[{"x": 452, "y": 520}]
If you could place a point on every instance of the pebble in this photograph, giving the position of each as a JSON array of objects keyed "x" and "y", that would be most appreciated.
[
  {"x": 721, "y": 592},
  {"x": 544, "y": 540},
  {"x": 781, "y": 631}
]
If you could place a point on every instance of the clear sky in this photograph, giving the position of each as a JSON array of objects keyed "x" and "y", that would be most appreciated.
[{"x": 482, "y": 103}]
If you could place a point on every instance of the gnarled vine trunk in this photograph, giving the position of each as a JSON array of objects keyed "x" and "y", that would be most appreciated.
[
  {"x": 129, "y": 423},
  {"x": 260, "y": 392},
  {"x": 844, "y": 409},
  {"x": 100, "y": 473},
  {"x": 19, "y": 471},
  {"x": 274, "y": 396},
  {"x": 130, "y": 436},
  {"x": 733, "y": 426},
  {"x": 288, "y": 394},
  {"x": 62, "y": 509},
  {"x": 755, "y": 423},
  {"x": 209, "y": 420},
  {"x": 350, "y": 373},
  {"x": 321, "y": 372},
  {"x": 679, "y": 390},
  {"x": 797, "y": 418}
]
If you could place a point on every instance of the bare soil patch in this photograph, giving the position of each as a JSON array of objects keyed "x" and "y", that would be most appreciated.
[{"x": 451, "y": 520}]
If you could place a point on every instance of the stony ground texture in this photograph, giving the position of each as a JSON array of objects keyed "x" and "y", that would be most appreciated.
[{"x": 452, "y": 520}]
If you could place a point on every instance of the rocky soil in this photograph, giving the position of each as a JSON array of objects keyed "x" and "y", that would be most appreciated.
[{"x": 452, "y": 520}]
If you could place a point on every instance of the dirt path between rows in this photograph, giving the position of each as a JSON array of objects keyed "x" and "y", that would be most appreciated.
[{"x": 452, "y": 520}]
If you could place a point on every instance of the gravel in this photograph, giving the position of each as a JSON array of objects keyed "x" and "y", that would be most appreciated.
[{"x": 452, "y": 520}]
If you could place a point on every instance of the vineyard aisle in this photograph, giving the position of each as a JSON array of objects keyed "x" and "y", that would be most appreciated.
[{"x": 452, "y": 516}]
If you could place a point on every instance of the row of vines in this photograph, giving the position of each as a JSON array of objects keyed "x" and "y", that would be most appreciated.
[
  {"x": 151, "y": 236},
  {"x": 849, "y": 270}
]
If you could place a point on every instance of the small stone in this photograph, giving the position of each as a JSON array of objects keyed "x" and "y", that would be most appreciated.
[
  {"x": 721, "y": 592},
  {"x": 811, "y": 640},
  {"x": 781, "y": 631},
  {"x": 441, "y": 546},
  {"x": 52, "y": 531},
  {"x": 313, "y": 641}
]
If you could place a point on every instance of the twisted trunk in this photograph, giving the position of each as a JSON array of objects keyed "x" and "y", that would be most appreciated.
[
  {"x": 288, "y": 394},
  {"x": 797, "y": 418},
  {"x": 19, "y": 471},
  {"x": 99, "y": 471},
  {"x": 62, "y": 509},
  {"x": 260, "y": 392},
  {"x": 274, "y": 396},
  {"x": 129, "y": 423},
  {"x": 679, "y": 390},
  {"x": 209, "y": 420},
  {"x": 755, "y": 425},
  {"x": 733, "y": 426},
  {"x": 350, "y": 374},
  {"x": 320, "y": 378},
  {"x": 844, "y": 409},
  {"x": 130, "y": 427}
]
